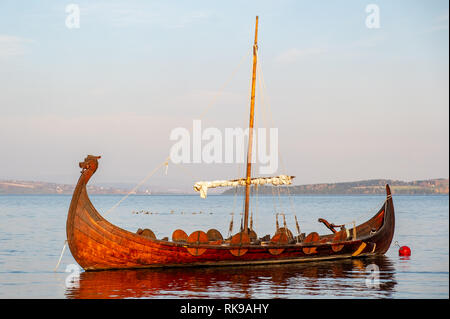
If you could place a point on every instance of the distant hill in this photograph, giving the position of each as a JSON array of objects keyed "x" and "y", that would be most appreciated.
[
  {"x": 375, "y": 186},
  {"x": 27, "y": 187}
]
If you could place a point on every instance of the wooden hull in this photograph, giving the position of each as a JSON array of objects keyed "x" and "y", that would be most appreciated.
[{"x": 97, "y": 244}]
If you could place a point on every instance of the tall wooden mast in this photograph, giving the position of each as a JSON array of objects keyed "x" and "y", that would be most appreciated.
[{"x": 250, "y": 132}]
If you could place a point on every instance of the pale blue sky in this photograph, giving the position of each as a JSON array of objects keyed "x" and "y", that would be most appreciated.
[{"x": 350, "y": 102}]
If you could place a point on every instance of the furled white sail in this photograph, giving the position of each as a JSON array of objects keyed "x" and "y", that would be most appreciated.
[{"x": 202, "y": 187}]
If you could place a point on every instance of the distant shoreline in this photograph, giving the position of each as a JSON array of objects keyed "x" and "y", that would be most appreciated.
[
  {"x": 218, "y": 195},
  {"x": 367, "y": 187},
  {"x": 438, "y": 186}
]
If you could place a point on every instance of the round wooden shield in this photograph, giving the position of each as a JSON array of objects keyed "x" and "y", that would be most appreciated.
[
  {"x": 147, "y": 233},
  {"x": 214, "y": 235},
  {"x": 179, "y": 235},
  {"x": 279, "y": 239},
  {"x": 311, "y": 238},
  {"x": 238, "y": 240},
  {"x": 197, "y": 237},
  {"x": 338, "y": 237},
  {"x": 285, "y": 231}
]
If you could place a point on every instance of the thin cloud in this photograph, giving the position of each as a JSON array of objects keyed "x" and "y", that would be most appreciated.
[
  {"x": 126, "y": 15},
  {"x": 12, "y": 46},
  {"x": 441, "y": 23},
  {"x": 370, "y": 41},
  {"x": 443, "y": 18},
  {"x": 294, "y": 54}
]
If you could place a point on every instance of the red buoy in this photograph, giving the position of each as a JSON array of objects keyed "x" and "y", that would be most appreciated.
[{"x": 404, "y": 251}]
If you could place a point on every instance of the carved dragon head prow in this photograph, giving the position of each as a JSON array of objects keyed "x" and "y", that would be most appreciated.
[{"x": 89, "y": 166}]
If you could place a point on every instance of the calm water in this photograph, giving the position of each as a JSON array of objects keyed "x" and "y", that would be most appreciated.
[{"x": 32, "y": 234}]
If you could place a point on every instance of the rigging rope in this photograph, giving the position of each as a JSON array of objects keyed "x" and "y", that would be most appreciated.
[
  {"x": 266, "y": 103},
  {"x": 139, "y": 184},
  {"x": 230, "y": 230},
  {"x": 224, "y": 85},
  {"x": 269, "y": 118},
  {"x": 166, "y": 162},
  {"x": 256, "y": 204}
]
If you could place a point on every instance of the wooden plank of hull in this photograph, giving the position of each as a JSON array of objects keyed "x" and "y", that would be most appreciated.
[{"x": 97, "y": 244}]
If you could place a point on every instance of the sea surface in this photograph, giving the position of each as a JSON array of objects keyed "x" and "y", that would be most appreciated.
[{"x": 32, "y": 236}]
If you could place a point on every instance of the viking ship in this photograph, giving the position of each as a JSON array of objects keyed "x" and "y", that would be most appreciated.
[{"x": 97, "y": 244}]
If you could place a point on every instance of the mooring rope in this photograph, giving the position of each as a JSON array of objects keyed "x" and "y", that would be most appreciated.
[{"x": 60, "y": 257}]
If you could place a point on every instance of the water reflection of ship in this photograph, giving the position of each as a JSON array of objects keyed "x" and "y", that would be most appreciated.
[{"x": 340, "y": 278}]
